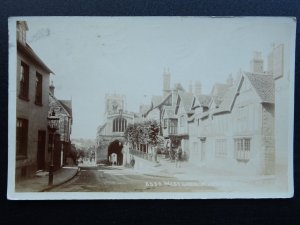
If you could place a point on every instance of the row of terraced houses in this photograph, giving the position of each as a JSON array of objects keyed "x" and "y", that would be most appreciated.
[{"x": 236, "y": 128}]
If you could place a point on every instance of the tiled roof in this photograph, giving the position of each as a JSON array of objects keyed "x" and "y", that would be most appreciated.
[
  {"x": 217, "y": 100},
  {"x": 186, "y": 100},
  {"x": 263, "y": 85},
  {"x": 218, "y": 93},
  {"x": 204, "y": 100},
  {"x": 67, "y": 104},
  {"x": 156, "y": 100},
  {"x": 228, "y": 98},
  {"x": 219, "y": 89},
  {"x": 144, "y": 108}
]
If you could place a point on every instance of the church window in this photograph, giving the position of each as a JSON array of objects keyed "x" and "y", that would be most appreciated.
[{"x": 119, "y": 124}]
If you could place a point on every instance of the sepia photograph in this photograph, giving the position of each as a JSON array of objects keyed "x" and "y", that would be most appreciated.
[{"x": 151, "y": 107}]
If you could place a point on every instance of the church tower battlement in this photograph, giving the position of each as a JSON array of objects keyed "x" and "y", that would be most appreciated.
[{"x": 114, "y": 103}]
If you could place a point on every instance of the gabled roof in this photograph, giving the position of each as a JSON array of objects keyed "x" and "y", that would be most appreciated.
[
  {"x": 27, "y": 50},
  {"x": 229, "y": 97},
  {"x": 186, "y": 100},
  {"x": 67, "y": 105},
  {"x": 156, "y": 100},
  {"x": 217, "y": 100},
  {"x": 204, "y": 100},
  {"x": 263, "y": 84},
  {"x": 218, "y": 93},
  {"x": 219, "y": 89},
  {"x": 67, "y": 109},
  {"x": 144, "y": 108},
  {"x": 169, "y": 112}
]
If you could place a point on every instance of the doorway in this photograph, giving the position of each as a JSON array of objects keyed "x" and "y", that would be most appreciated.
[{"x": 115, "y": 153}]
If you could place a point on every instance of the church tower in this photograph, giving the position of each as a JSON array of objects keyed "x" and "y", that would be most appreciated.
[{"x": 114, "y": 103}]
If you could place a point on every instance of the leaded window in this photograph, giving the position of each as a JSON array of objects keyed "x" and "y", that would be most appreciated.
[
  {"x": 119, "y": 124},
  {"x": 242, "y": 148}
]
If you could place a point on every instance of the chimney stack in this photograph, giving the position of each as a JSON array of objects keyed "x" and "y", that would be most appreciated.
[
  {"x": 166, "y": 82},
  {"x": 198, "y": 89},
  {"x": 22, "y": 28},
  {"x": 257, "y": 63}
]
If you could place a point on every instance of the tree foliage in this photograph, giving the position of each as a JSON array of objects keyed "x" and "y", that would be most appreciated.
[{"x": 146, "y": 132}]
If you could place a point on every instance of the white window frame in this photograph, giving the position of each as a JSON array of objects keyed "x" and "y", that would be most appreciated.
[{"x": 242, "y": 148}]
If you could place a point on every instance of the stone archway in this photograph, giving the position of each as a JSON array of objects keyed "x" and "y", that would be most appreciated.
[{"x": 116, "y": 147}]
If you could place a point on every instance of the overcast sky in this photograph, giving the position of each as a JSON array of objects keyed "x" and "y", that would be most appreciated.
[{"x": 92, "y": 56}]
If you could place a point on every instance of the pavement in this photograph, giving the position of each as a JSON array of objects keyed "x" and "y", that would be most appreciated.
[
  {"x": 222, "y": 179},
  {"x": 39, "y": 182}
]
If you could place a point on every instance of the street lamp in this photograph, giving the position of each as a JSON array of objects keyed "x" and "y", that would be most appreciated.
[{"x": 53, "y": 122}]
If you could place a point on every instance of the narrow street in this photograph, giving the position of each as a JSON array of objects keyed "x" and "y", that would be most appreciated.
[{"x": 120, "y": 179}]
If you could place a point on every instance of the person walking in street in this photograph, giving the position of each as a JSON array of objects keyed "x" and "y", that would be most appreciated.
[
  {"x": 178, "y": 156},
  {"x": 169, "y": 149},
  {"x": 132, "y": 161}
]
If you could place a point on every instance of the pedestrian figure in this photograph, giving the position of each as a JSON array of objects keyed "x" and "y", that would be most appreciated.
[
  {"x": 155, "y": 153},
  {"x": 178, "y": 156},
  {"x": 169, "y": 149},
  {"x": 114, "y": 159},
  {"x": 132, "y": 161}
]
